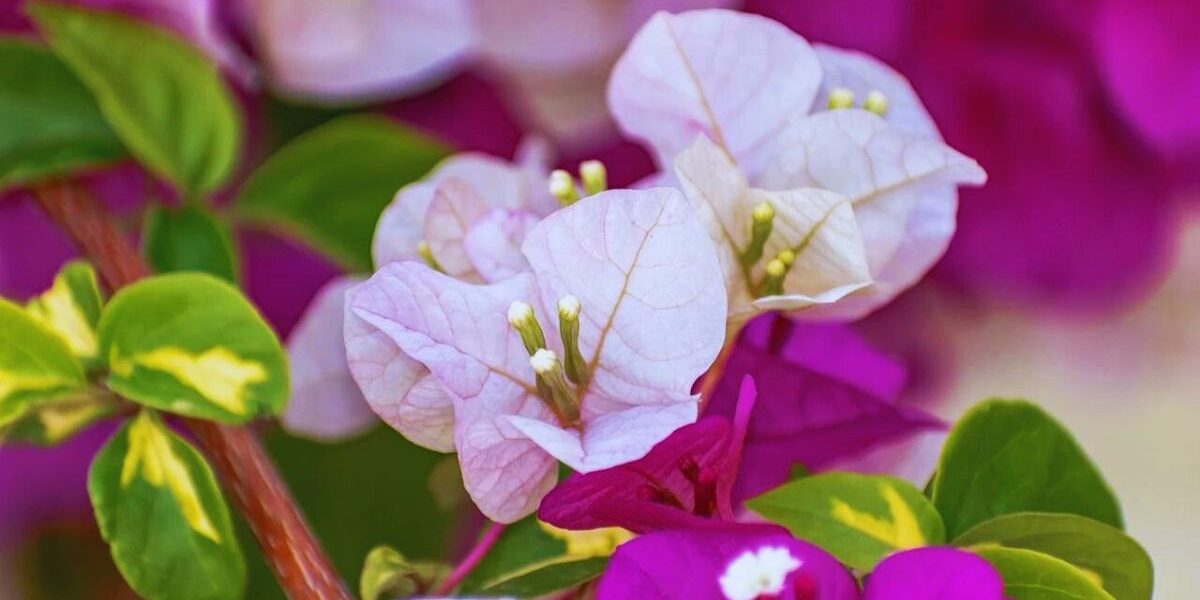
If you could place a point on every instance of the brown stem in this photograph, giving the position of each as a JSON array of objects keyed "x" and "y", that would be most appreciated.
[{"x": 288, "y": 544}]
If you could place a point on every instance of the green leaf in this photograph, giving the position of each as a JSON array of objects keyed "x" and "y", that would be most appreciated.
[
  {"x": 1008, "y": 456},
  {"x": 162, "y": 96},
  {"x": 159, "y": 509},
  {"x": 329, "y": 185},
  {"x": 71, "y": 309},
  {"x": 50, "y": 422},
  {"x": 49, "y": 123},
  {"x": 1114, "y": 559},
  {"x": 857, "y": 518},
  {"x": 549, "y": 578},
  {"x": 1030, "y": 575},
  {"x": 522, "y": 544},
  {"x": 36, "y": 366},
  {"x": 188, "y": 239},
  {"x": 387, "y": 574},
  {"x": 191, "y": 344}
]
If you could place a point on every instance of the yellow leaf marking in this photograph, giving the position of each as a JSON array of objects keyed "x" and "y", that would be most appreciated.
[
  {"x": 150, "y": 455},
  {"x": 57, "y": 310},
  {"x": 11, "y": 383},
  {"x": 901, "y": 531},
  {"x": 217, "y": 374},
  {"x": 589, "y": 543}
]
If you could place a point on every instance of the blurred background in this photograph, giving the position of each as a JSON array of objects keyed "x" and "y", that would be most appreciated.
[{"x": 1072, "y": 280}]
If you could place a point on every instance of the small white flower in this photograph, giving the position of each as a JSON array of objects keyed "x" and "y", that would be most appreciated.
[{"x": 753, "y": 574}]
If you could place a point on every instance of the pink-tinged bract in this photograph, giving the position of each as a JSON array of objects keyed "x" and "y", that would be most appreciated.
[{"x": 652, "y": 322}]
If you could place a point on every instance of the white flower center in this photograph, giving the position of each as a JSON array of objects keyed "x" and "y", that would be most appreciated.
[{"x": 758, "y": 573}]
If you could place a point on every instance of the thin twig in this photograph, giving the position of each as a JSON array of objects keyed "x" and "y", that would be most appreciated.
[
  {"x": 471, "y": 560},
  {"x": 289, "y": 546}
]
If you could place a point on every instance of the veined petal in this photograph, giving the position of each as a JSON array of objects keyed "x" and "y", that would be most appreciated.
[
  {"x": 455, "y": 208},
  {"x": 647, "y": 276},
  {"x": 401, "y": 225},
  {"x": 736, "y": 78},
  {"x": 892, "y": 177},
  {"x": 493, "y": 244},
  {"x": 861, "y": 73}
]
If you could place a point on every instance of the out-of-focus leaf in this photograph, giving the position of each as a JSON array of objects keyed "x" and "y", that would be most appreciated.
[
  {"x": 160, "y": 510},
  {"x": 51, "y": 422},
  {"x": 387, "y": 574},
  {"x": 188, "y": 239},
  {"x": 1007, "y": 456},
  {"x": 1120, "y": 565},
  {"x": 71, "y": 309},
  {"x": 191, "y": 344},
  {"x": 329, "y": 185},
  {"x": 549, "y": 578},
  {"x": 162, "y": 96},
  {"x": 858, "y": 518},
  {"x": 49, "y": 123},
  {"x": 36, "y": 366},
  {"x": 522, "y": 545},
  {"x": 1030, "y": 575}
]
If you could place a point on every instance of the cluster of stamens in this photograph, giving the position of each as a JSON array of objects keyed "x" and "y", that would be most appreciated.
[
  {"x": 762, "y": 223},
  {"x": 875, "y": 101},
  {"x": 558, "y": 381},
  {"x": 592, "y": 175}
]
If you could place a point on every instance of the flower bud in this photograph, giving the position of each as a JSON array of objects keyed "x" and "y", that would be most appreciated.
[
  {"x": 762, "y": 221},
  {"x": 568, "y": 326},
  {"x": 876, "y": 102},
  {"x": 594, "y": 177},
  {"x": 562, "y": 187},
  {"x": 522, "y": 319},
  {"x": 551, "y": 382},
  {"x": 840, "y": 98},
  {"x": 773, "y": 281}
]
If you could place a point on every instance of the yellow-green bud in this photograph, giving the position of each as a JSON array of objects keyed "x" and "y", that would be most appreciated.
[
  {"x": 522, "y": 319},
  {"x": 773, "y": 281},
  {"x": 787, "y": 257},
  {"x": 426, "y": 255},
  {"x": 568, "y": 326},
  {"x": 594, "y": 177},
  {"x": 562, "y": 187},
  {"x": 561, "y": 398},
  {"x": 876, "y": 102},
  {"x": 762, "y": 221},
  {"x": 841, "y": 98}
]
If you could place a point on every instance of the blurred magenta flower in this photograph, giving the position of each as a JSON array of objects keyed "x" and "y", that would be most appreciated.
[
  {"x": 826, "y": 397},
  {"x": 644, "y": 291},
  {"x": 749, "y": 562},
  {"x": 934, "y": 573}
]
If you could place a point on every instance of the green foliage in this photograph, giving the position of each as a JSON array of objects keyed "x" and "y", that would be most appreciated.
[
  {"x": 36, "y": 366},
  {"x": 1030, "y": 575},
  {"x": 549, "y": 578},
  {"x": 329, "y": 185},
  {"x": 1122, "y": 566},
  {"x": 71, "y": 309},
  {"x": 189, "y": 238},
  {"x": 857, "y": 518},
  {"x": 191, "y": 344},
  {"x": 387, "y": 574},
  {"x": 1008, "y": 456},
  {"x": 161, "y": 512},
  {"x": 49, "y": 123},
  {"x": 163, "y": 97},
  {"x": 51, "y": 422},
  {"x": 523, "y": 544}
]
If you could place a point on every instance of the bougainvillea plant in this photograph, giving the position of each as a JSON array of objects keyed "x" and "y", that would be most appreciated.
[{"x": 643, "y": 387}]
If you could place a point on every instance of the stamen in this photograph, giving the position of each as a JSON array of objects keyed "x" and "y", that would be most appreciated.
[
  {"x": 568, "y": 326},
  {"x": 762, "y": 221},
  {"x": 427, "y": 255},
  {"x": 773, "y": 282},
  {"x": 876, "y": 102},
  {"x": 561, "y": 398},
  {"x": 840, "y": 98},
  {"x": 521, "y": 317},
  {"x": 594, "y": 177},
  {"x": 562, "y": 187}
]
